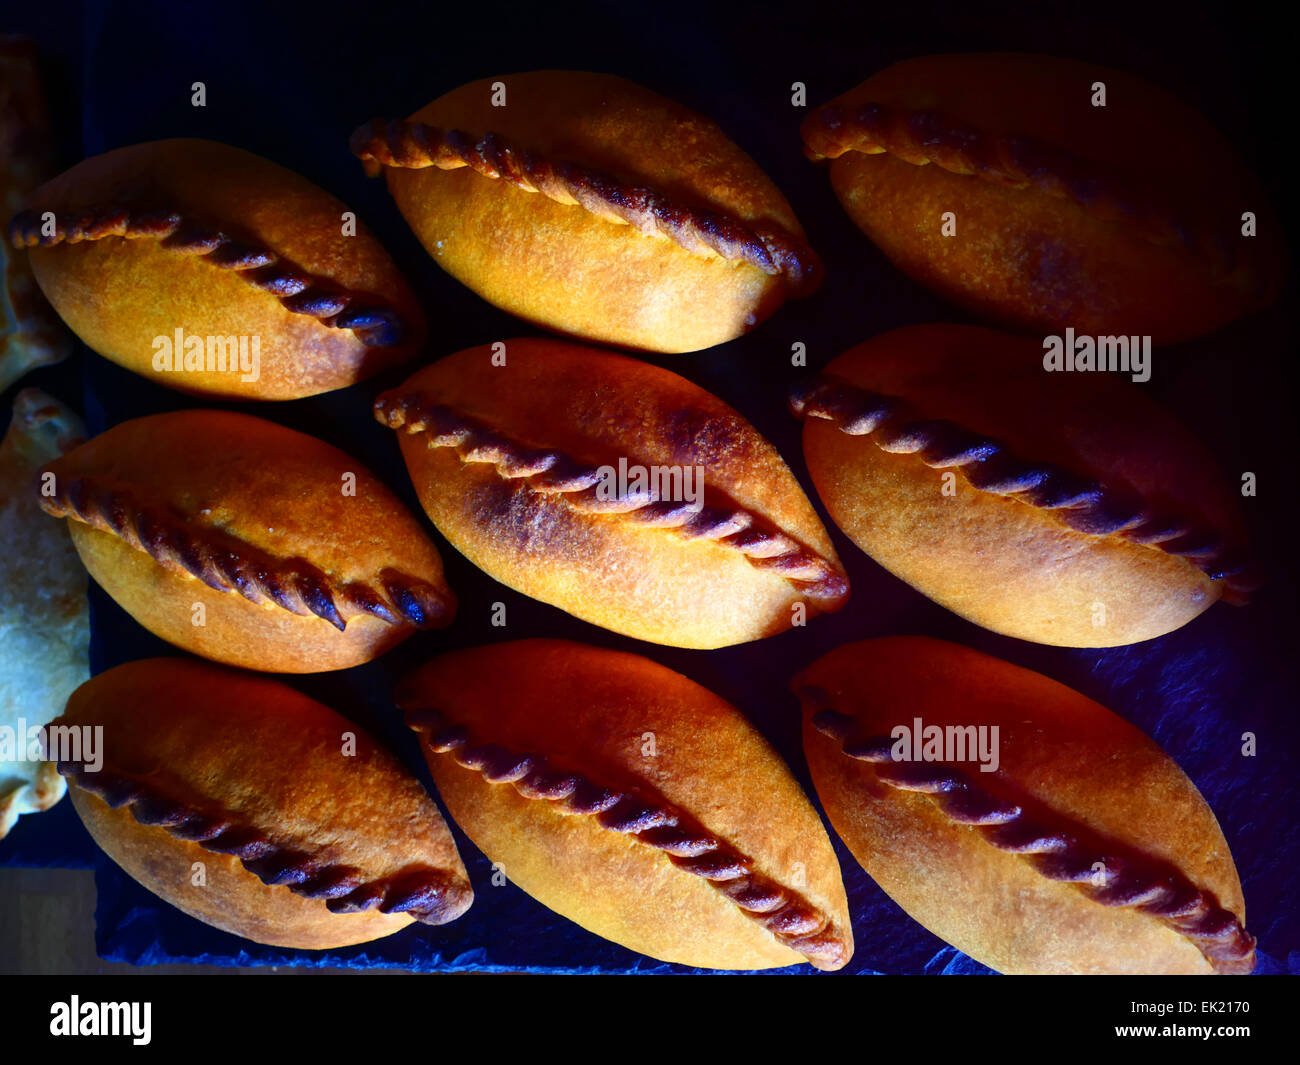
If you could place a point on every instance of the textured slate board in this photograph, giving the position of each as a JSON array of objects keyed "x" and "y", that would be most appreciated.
[{"x": 291, "y": 85}]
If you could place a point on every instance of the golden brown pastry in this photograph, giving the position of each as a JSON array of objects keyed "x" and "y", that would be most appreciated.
[
  {"x": 1084, "y": 850},
  {"x": 595, "y": 207},
  {"x": 615, "y": 490},
  {"x": 211, "y": 270},
  {"x": 44, "y": 628},
  {"x": 1065, "y": 508},
  {"x": 633, "y": 802},
  {"x": 30, "y": 332},
  {"x": 994, "y": 180},
  {"x": 248, "y": 543},
  {"x": 256, "y": 809}
]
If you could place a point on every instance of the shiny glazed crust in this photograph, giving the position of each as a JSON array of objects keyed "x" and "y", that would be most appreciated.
[
  {"x": 646, "y": 809},
  {"x": 564, "y": 258},
  {"x": 1025, "y": 570},
  {"x": 302, "y": 843},
  {"x": 218, "y": 242},
  {"x": 509, "y": 496},
  {"x": 254, "y": 522},
  {"x": 1077, "y": 767},
  {"x": 1118, "y": 219}
]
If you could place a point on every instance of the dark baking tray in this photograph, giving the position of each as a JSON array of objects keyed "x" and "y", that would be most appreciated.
[{"x": 290, "y": 82}]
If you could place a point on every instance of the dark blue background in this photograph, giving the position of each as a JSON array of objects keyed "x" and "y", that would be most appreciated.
[{"x": 291, "y": 82}]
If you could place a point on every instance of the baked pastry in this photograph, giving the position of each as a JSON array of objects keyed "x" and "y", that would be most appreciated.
[
  {"x": 211, "y": 270},
  {"x": 30, "y": 332},
  {"x": 257, "y": 810},
  {"x": 615, "y": 490},
  {"x": 594, "y": 207},
  {"x": 1084, "y": 850},
  {"x": 44, "y": 627},
  {"x": 248, "y": 543},
  {"x": 631, "y": 801},
  {"x": 996, "y": 181},
  {"x": 1065, "y": 508}
]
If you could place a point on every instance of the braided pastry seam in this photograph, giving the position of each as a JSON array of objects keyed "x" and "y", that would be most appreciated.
[
  {"x": 431, "y": 896},
  {"x": 416, "y": 145},
  {"x": 792, "y": 919},
  {"x": 1084, "y": 505},
  {"x": 1017, "y": 162},
  {"x": 548, "y": 472},
  {"x": 227, "y": 564},
  {"x": 298, "y": 291},
  {"x": 1124, "y": 880}
]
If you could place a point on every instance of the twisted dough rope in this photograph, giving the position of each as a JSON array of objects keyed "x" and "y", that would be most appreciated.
[
  {"x": 298, "y": 291},
  {"x": 1013, "y": 161},
  {"x": 554, "y": 473},
  {"x": 1125, "y": 879},
  {"x": 1082, "y": 504},
  {"x": 792, "y": 919},
  {"x": 431, "y": 896},
  {"x": 416, "y": 145},
  {"x": 227, "y": 564}
]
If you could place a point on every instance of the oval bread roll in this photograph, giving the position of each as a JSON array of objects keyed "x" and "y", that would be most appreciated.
[
  {"x": 633, "y": 802},
  {"x": 1086, "y": 850},
  {"x": 1064, "y": 508},
  {"x": 170, "y": 258},
  {"x": 594, "y": 207},
  {"x": 998, "y": 181},
  {"x": 518, "y": 465},
  {"x": 248, "y": 543},
  {"x": 303, "y": 838}
]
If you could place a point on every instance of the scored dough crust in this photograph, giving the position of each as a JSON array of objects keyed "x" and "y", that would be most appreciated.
[
  {"x": 1122, "y": 219},
  {"x": 266, "y": 772},
  {"x": 572, "y": 270},
  {"x": 1058, "y": 750},
  {"x": 999, "y": 560},
  {"x": 652, "y": 580},
  {"x": 634, "y": 726},
  {"x": 217, "y": 242},
  {"x": 255, "y": 523}
]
